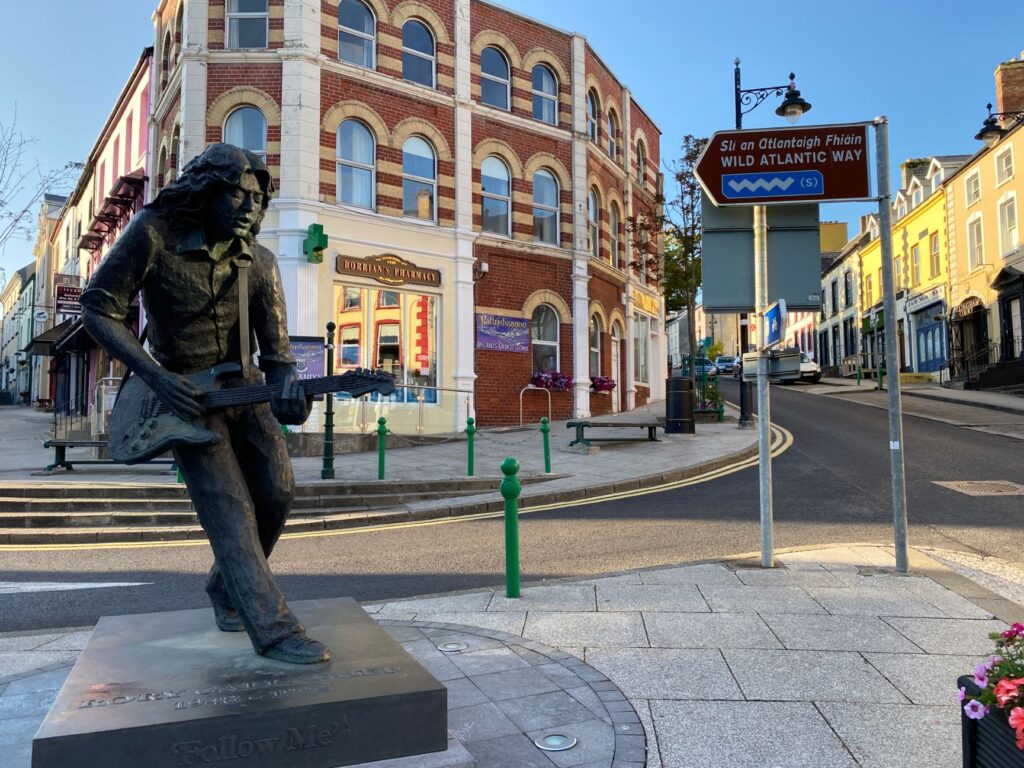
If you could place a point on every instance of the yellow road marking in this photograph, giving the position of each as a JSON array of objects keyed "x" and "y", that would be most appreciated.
[{"x": 782, "y": 439}]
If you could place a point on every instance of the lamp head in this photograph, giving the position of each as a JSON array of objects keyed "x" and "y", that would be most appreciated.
[
  {"x": 793, "y": 106},
  {"x": 991, "y": 132}
]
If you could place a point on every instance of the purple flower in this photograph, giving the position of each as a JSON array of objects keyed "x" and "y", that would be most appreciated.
[
  {"x": 975, "y": 710},
  {"x": 961, "y": 694},
  {"x": 980, "y": 678}
]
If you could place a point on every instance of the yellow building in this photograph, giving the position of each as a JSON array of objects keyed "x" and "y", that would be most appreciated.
[
  {"x": 920, "y": 253},
  {"x": 987, "y": 264}
]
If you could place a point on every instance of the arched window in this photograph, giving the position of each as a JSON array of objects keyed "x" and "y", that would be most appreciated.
[
  {"x": 592, "y": 112},
  {"x": 247, "y": 128},
  {"x": 356, "y": 155},
  {"x": 419, "y": 178},
  {"x": 496, "y": 194},
  {"x": 248, "y": 21},
  {"x": 613, "y": 225},
  {"x": 161, "y": 176},
  {"x": 544, "y": 339},
  {"x": 545, "y": 207},
  {"x": 613, "y": 133},
  {"x": 417, "y": 53},
  {"x": 357, "y": 33},
  {"x": 641, "y": 163},
  {"x": 595, "y": 345},
  {"x": 165, "y": 59},
  {"x": 494, "y": 80},
  {"x": 545, "y": 95},
  {"x": 594, "y": 222}
]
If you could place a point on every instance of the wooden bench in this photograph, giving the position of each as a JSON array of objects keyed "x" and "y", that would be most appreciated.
[
  {"x": 582, "y": 426},
  {"x": 60, "y": 458}
]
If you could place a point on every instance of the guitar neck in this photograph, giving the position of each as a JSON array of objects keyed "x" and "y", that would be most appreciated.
[{"x": 262, "y": 393}]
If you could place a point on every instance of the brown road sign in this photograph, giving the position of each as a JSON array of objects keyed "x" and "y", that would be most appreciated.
[{"x": 817, "y": 163}]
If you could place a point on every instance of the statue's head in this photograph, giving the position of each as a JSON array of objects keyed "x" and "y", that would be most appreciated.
[{"x": 225, "y": 190}]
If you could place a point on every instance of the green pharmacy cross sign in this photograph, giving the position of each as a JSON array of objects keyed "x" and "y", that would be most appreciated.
[{"x": 314, "y": 244}]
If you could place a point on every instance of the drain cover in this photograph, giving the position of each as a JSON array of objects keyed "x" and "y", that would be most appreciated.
[
  {"x": 983, "y": 487},
  {"x": 556, "y": 742}
]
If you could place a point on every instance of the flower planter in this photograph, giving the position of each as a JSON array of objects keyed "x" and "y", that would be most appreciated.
[{"x": 988, "y": 742}]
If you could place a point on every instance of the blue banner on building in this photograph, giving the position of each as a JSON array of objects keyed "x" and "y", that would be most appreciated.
[
  {"x": 502, "y": 333},
  {"x": 309, "y": 356}
]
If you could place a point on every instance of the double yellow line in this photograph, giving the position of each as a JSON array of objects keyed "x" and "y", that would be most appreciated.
[{"x": 781, "y": 440}]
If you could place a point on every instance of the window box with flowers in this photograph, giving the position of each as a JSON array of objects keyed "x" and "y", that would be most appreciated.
[
  {"x": 553, "y": 380},
  {"x": 602, "y": 384},
  {"x": 993, "y": 705}
]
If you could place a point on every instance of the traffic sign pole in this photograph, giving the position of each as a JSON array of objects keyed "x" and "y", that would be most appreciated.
[
  {"x": 764, "y": 462},
  {"x": 899, "y": 488}
]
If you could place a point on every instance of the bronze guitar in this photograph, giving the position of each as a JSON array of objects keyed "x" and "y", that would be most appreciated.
[{"x": 142, "y": 427}]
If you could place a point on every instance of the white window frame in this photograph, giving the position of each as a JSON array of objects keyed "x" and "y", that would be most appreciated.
[
  {"x": 237, "y": 15},
  {"x": 553, "y": 98},
  {"x": 641, "y": 163},
  {"x": 998, "y": 162},
  {"x": 420, "y": 55},
  {"x": 614, "y": 222},
  {"x": 869, "y": 294},
  {"x": 432, "y": 182},
  {"x": 978, "y": 246},
  {"x": 935, "y": 254},
  {"x": 224, "y": 129},
  {"x": 544, "y": 342},
  {"x": 595, "y": 351},
  {"x": 935, "y": 181},
  {"x": 494, "y": 79},
  {"x": 359, "y": 33},
  {"x": 917, "y": 196},
  {"x": 613, "y": 130},
  {"x": 594, "y": 221},
  {"x": 507, "y": 199},
  {"x": 553, "y": 209},
  {"x": 1009, "y": 234},
  {"x": 915, "y": 264},
  {"x": 641, "y": 347},
  {"x": 972, "y": 185},
  {"x": 340, "y": 161},
  {"x": 593, "y": 111}
]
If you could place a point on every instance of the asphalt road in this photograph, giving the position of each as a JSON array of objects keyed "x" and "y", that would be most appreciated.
[{"x": 831, "y": 486}]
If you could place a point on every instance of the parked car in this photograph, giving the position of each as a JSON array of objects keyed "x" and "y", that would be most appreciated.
[
  {"x": 724, "y": 363},
  {"x": 809, "y": 370},
  {"x": 706, "y": 367}
]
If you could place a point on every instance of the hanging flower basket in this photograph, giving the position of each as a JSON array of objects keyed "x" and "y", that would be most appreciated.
[
  {"x": 553, "y": 380},
  {"x": 602, "y": 383}
]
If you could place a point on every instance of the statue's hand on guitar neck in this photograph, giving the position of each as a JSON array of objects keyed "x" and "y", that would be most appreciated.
[
  {"x": 176, "y": 392},
  {"x": 292, "y": 406}
]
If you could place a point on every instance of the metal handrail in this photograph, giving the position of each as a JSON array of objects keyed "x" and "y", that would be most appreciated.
[{"x": 529, "y": 387}]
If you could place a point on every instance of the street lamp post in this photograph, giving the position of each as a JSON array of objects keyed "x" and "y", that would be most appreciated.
[
  {"x": 991, "y": 131},
  {"x": 792, "y": 108}
]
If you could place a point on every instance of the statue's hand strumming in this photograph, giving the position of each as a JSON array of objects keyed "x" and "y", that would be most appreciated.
[
  {"x": 292, "y": 406},
  {"x": 176, "y": 392}
]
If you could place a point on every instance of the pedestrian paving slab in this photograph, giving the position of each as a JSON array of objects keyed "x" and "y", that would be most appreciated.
[{"x": 699, "y": 664}]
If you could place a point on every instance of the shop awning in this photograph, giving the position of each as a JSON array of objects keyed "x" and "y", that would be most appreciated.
[
  {"x": 43, "y": 343},
  {"x": 74, "y": 339}
]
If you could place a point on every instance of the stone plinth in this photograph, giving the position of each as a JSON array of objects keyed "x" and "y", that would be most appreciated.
[{"x": 171, "y": 690}]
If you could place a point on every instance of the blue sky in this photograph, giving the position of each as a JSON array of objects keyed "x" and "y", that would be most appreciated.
[{"x": 927, "y": 66}]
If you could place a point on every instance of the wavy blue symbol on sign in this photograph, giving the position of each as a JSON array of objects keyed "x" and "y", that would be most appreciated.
[{"x": 739, "y": 186}]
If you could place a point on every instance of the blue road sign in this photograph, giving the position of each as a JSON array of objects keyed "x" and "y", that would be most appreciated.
[
  {"x": 739, "y": 186},
  {"x": 775, "y": 323}
]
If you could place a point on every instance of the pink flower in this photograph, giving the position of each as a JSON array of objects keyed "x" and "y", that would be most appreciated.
[
  {"x": 961, "y": 694},
  {"x": 1017, "y": 720},
  {"x": 975, "y": 710},
  {"x": 1016, "y": 630},
  {"x": 1005, "y": 690}
]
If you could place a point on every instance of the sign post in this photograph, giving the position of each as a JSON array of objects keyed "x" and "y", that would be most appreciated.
[{"x": 777, "y": 166}]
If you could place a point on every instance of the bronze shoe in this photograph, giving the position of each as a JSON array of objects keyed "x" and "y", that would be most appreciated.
[
  {"x": 298, "y": 649},
  {"x": 227, "y": 619}
]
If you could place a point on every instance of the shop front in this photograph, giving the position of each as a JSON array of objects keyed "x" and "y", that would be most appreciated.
[{"x": 927, "y": 312}]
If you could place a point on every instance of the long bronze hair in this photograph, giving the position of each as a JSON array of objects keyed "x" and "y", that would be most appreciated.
[{"x": 184, "y": 202}]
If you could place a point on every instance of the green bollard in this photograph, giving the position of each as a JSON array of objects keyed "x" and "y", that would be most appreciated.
[
  {"x": 382, "y": 438},
  {"x": 327, "y": 470},
  {"x": 545, "y": 429},
  {"x": 858, "y": 375},
  {"x": 881, "y": 378},
  {"x": 510, "y": 488},
  {"x": 470, "y": 431},
  {"x": 181, "y": 477}
]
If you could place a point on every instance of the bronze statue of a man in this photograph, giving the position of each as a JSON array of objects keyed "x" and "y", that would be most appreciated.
[{"x": 185, "y": 252}]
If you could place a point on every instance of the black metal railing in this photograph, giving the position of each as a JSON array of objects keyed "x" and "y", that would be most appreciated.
[
  {"x": 966, "y": 365},
  {"x": 70, "y": 416}
]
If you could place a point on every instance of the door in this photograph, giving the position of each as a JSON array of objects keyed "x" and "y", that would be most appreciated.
[
  {"x": 1016, "y": 342},
  {"x": 616, "y": 368}
]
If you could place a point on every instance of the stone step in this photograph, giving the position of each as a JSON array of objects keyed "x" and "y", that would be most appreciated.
[{"x": 91, "y": 504}]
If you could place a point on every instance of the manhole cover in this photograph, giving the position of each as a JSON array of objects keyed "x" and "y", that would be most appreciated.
[{"x": 983, "y": 487}]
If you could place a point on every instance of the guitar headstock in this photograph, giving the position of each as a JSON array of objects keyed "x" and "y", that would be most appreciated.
[{"x": 362, "y": 380}]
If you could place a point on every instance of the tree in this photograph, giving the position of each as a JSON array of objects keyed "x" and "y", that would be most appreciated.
[
  {"x": 23, "y": 182},
  {"x": 677, "y": 221}
]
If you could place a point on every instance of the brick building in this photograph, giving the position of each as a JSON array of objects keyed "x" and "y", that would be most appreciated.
[{"x": 473, "y": 170}]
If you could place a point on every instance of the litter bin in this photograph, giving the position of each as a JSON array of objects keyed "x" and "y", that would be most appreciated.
[{"x": 679, "y": 406}]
